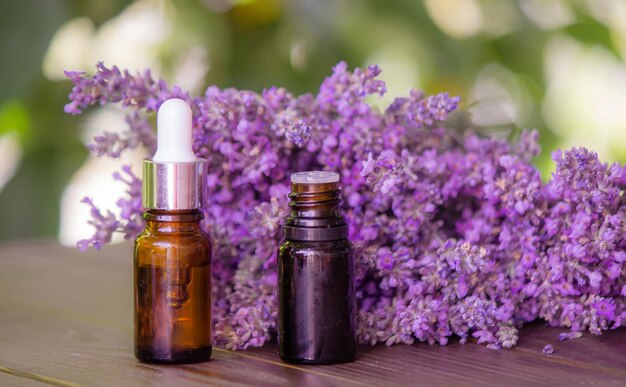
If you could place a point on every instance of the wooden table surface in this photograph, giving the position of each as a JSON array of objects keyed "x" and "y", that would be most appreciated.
[{"x": 66, "y": 319}]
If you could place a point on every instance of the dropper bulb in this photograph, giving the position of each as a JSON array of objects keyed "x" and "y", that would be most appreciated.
[{"x": 174, "y": 133}]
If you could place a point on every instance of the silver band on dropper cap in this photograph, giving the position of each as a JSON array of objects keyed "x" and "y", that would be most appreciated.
[{"x": 173, "y": 185}]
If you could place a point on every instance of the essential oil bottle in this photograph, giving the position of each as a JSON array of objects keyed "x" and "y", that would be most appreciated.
[
  {"x": 173, "y": 254},
  {"x": 316, "y": 290}
]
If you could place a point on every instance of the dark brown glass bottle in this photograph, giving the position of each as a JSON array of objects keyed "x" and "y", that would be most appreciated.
[
  {"x": 173, "y": 289},
  {"x": 316, "y": 294}
]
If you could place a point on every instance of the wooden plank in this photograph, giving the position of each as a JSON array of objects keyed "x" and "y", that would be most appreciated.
[
  {"x": 603, "y": 352},
  {"x": 468, "y": 364},
  {"x": 94, "y": 286},
  {"x": 14, "y": 378},
  {"x": 66, "y": 317},
  {"x": 69, "y": 351}
]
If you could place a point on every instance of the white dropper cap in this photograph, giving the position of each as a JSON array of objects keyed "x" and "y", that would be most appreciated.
[
  {"x": 174, "y": 179},
  {"x": 174, "y": 133}
]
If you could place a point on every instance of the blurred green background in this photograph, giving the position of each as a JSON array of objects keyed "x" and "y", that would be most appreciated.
[{"x": 553, "y": 65}]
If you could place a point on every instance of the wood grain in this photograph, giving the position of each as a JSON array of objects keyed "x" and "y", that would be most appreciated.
[{"x": 66, "y": 319}]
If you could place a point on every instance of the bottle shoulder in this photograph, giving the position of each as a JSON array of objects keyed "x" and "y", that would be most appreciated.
[
  {"x": 148, "y": 236},
  {"x": 292, "y": 246},
  {"x": 164, "y": 248}
]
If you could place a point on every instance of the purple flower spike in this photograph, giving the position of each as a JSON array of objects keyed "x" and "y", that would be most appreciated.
[{"x": 455, "y": 234}]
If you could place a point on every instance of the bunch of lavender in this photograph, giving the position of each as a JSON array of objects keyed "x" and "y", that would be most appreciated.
[{"x": 455, "y": 233}]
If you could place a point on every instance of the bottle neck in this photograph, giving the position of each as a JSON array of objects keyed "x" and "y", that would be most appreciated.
[
  {"x": 315, "y": 213},
  {"x": 173, "y": 221},
  {"x": 315, "y": 201}
]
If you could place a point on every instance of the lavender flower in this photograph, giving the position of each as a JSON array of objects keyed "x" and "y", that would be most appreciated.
[
  {"x": 570, "y": 336},
  {"x": 105, "y": 226},
  {"x": 112, "y": 144},
  {"x": 455, "y": 234},
  {"x": 264, "y": 219},
  {"x": 128, "y": 223}
]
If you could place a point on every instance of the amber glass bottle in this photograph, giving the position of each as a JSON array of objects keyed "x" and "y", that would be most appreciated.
[
  {"x": 173, "y": 289},
  {"x": 173, "y": 253},
  {"x": 316, "y": 294}
]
